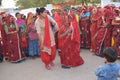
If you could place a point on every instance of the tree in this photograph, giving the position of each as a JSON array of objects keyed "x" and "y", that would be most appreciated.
[
  {"x": 37, "y": 3},
  {"x": 0, "y": 2},
  {"x": 30, "y": 3},
  {"x": 116, "y": 0}
]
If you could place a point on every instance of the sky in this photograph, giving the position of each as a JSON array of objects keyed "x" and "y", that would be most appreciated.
[{"x": 8, "y": 3}]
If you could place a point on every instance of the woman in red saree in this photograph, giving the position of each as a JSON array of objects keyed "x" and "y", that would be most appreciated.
[
  {"x": 116, "y": 33},
  {"x": 104, "y": 32},
  {"x": 46, "y": 37},
  {"x": 63, "y": 21},
  {"x": 70, "y": 51},
  {"x": 93, "y": 29},
  {"x": 109, "y": 16},
  {"x": 85, "y": 28},
  {"x": 13, "y": 46},
  {"x": 58, "y": 18},
  {"x": 1, "y": 28},
  {"x": 3, "y": 35}
]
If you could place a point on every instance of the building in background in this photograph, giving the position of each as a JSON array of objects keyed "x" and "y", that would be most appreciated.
[{"x": 106, "y": 2}]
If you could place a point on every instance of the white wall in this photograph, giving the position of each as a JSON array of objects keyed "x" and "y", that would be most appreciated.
[
  {"x": 26, "y": 11},
  {"x": 49, "y": 7},
  {"x": 106, "y": 2},
  {"x": 116, "y": 3}
]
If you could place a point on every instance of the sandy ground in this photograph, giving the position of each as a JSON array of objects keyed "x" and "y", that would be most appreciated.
[{"x": 33, "y": 69}]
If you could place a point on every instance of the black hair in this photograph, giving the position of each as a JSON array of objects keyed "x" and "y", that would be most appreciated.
[
  {"x": 20, "y": 28},
  {"x": 110, "y": 54},
  {"x": 53, "y": 10},
  {"x": 40, "y": 10},
  {"x": 37, "y": 10},
  {"x": 16, "y": 13},
  {"x": 66, "y": 10}
]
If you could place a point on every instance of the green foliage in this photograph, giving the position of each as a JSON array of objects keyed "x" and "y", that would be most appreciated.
[
  {"x": 30, "y": 3},
  {"x": 37, "y": 3},
  {"x": 116, "y": 0},
  {"x": 0, "y": 2},
  {"x": 85, "y": 2}
]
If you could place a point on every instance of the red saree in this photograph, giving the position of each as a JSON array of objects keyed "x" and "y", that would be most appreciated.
[
  {"x": 109, "y": 17},
  {"x": 85, "y": 36},
  {"x": 58, "y": 19},
  {"x": 14, "y": 51},
  {"x": 48, "y": 52},
  {"x": 62, "y": 40},
  {"x": 116, "y": 36},
  {"x": 93, "y": 30},
  {"x": 15, "y": 54},
  {"x": 104, "y": 31},
  {"x": 70, "y": 51},
  {"x": 101, "y": 33},
  {"x": 3, "y": 41},
  {"x": 63, "y": 28}
]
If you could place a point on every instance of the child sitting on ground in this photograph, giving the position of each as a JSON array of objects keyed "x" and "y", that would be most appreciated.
[{"x": 111, "y": 69}]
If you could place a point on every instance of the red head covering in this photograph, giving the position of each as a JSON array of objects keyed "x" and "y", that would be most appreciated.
[
  {"x": 104, "y": 11},
  {"x": 23, "y": 16},
  {"x": 8, "y": 19},
  {"x": 1, "y": 13},
  {"x": 79, "y": 10},
  {"x": 84, "y": 7},
  {"x": 90, "y": 8},
  {"x": 30, "y": 17},
  {"x": 107, "y": 7}
]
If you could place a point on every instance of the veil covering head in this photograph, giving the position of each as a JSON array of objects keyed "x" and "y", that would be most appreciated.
[
  {"x": 2, "y": 16},
  {"x": 23, "y": 16},
  {"x": 2, "y": 13},
  {"x": 30, "y": 17},
  {"x": 8, "y": 19},
  {"x": 84, "y": 7}
]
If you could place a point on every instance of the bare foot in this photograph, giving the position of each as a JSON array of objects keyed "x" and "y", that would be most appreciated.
[
  {"x": 48, "y": 67},
  {"x": 52, "y": 64}
]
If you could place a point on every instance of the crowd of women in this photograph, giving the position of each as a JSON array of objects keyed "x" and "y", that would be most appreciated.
[
  {"x": 18, "y": 37},
  {"x": 65, "y": 31}
]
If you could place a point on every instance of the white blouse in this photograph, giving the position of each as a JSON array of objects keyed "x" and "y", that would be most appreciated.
[{"x": 40, "y": 27}]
